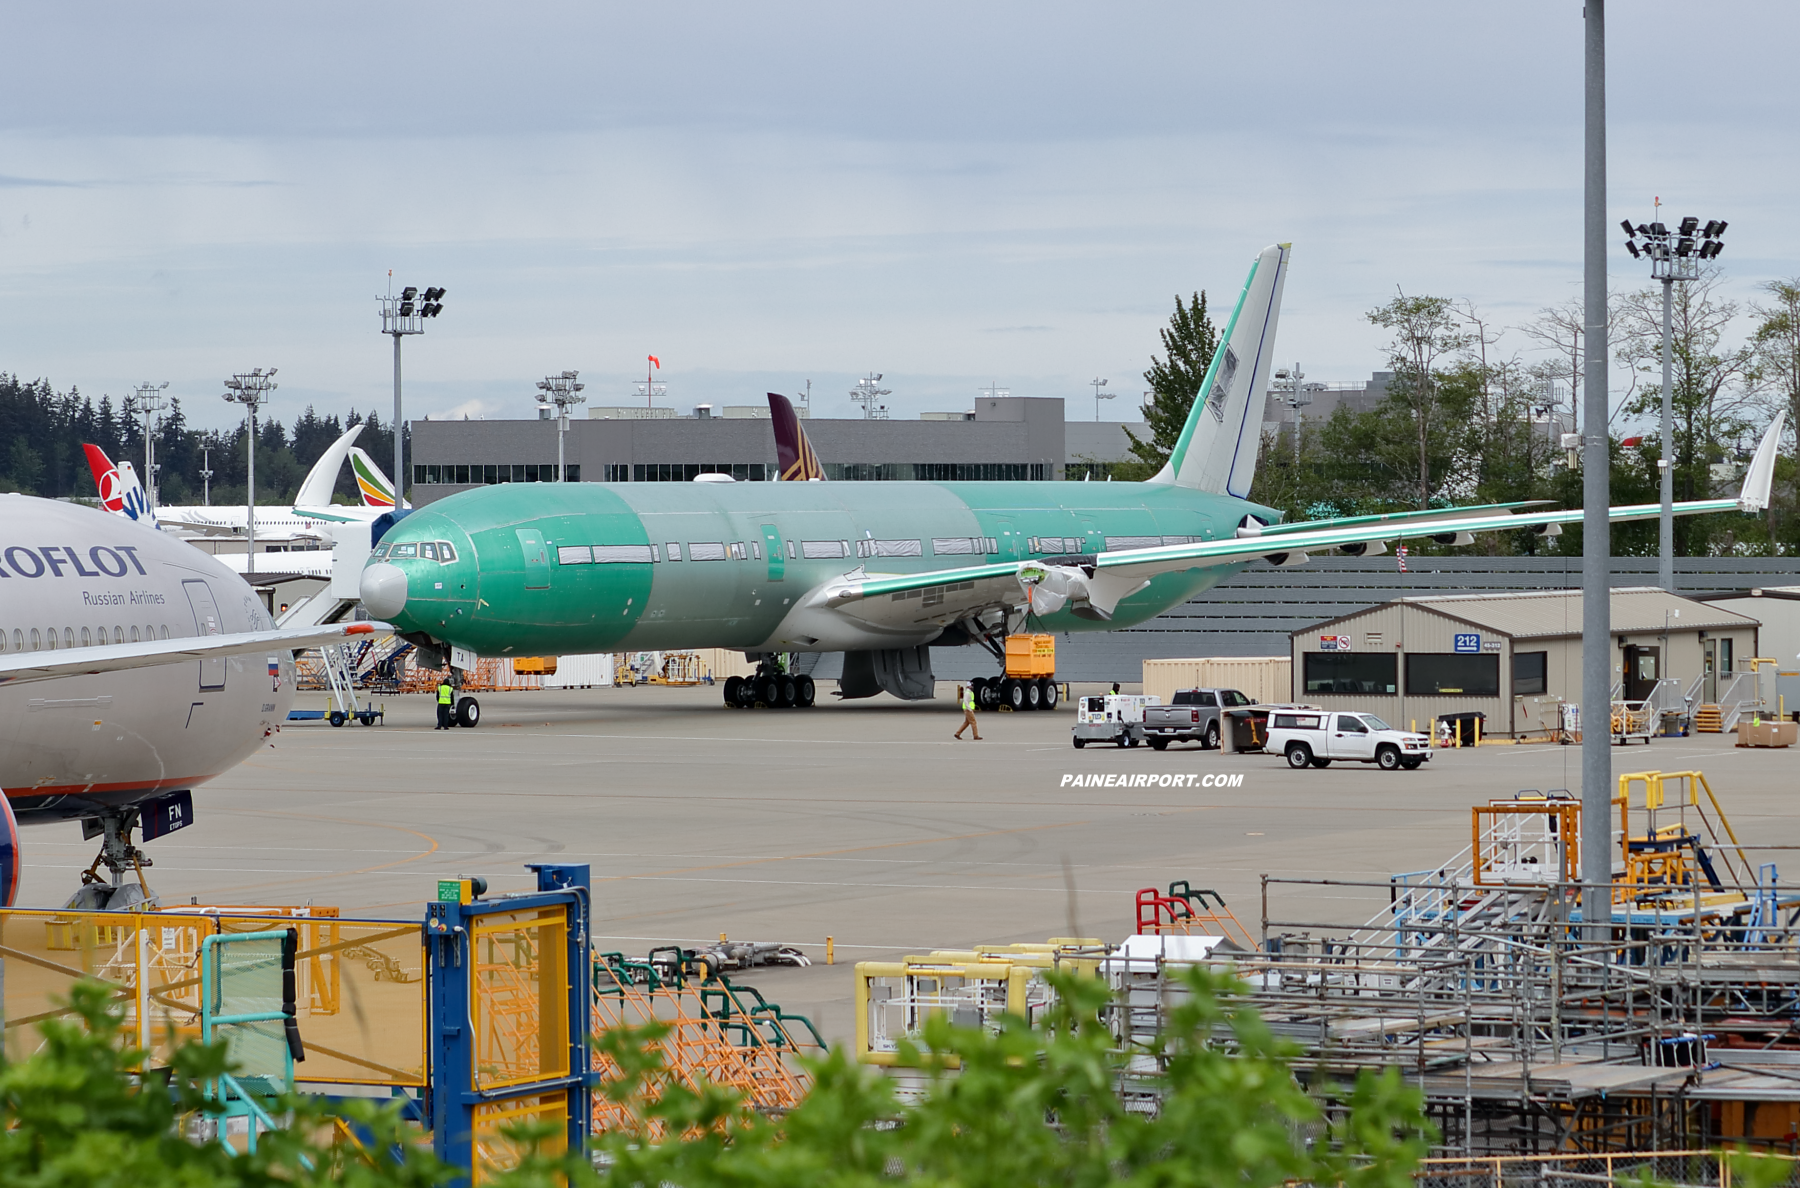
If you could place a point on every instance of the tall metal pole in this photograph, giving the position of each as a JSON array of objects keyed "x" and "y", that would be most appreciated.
[
  {"x": 399, "y": 475},
  {"x": 1596, "y": 535},
  {"x": 1665, "y": 566},
  {"x": 250, "y": 499}
]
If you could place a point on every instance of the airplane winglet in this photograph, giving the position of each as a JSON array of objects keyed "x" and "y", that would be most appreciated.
[{"x": 1760, "y": 477}]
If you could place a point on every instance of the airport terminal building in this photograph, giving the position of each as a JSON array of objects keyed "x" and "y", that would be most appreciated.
[{"x": 1001, "y": 438}]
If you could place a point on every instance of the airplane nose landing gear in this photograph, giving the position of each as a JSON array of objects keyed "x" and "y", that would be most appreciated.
[{"x": 120, "y": 858}]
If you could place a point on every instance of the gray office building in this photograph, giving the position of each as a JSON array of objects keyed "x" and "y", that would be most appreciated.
[{"x": 1007, "y": 437}]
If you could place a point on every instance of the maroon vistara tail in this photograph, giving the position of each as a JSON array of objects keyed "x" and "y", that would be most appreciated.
[{"x": 793, "y": 453}]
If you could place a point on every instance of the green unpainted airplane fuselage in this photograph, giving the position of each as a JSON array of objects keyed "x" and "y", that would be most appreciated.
[{"x": 510, "y": 592}]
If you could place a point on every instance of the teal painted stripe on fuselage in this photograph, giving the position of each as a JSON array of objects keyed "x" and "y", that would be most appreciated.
[{"x": 737, "y": 601}]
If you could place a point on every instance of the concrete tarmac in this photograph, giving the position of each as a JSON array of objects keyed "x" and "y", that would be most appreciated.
[{"x": 864, "y": 821}]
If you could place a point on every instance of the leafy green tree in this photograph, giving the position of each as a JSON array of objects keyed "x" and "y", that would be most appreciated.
[
  {"x": 1776, "y": 345},
  {"x": 1710, "y": 394},
  {"x": 1426, "y": 330},
  {"x": 1189, "y": 341}
]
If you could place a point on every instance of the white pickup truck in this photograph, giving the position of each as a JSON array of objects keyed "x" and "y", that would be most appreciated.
[{"x": 1316, "y": 738}]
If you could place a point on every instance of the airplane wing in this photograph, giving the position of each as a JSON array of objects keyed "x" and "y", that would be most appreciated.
[
  {"x": 1092, "y": 585},
  {"x": 37, "y": 666}
]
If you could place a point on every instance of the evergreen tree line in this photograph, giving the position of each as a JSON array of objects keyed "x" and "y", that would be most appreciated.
[
  {"x": 1466, "y": 421},
  {"x": 44, "y": 431}
]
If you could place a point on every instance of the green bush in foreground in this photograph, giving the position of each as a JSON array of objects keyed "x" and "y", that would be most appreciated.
[{"x": 1026, "y": 1106}]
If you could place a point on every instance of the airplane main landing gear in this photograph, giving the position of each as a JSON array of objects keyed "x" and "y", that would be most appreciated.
[
  {"x": 770, "y": 688},
  {"x": 120, "y": 858}
]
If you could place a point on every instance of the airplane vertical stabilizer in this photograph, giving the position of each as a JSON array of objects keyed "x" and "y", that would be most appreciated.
[
  {"x": 1217, "y": 448},
  {"x": 120, "y": 491},
  {"x": 796, "y": 462},
  {"x": 321, "y": 480},
  {"x": 371, "y": 481}
]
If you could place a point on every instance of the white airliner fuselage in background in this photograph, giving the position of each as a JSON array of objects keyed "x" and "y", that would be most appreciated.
[{"x": 133, "y": 668}]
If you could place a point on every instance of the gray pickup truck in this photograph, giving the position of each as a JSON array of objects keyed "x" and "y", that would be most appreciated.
[{"x": 1193, "y": 716}]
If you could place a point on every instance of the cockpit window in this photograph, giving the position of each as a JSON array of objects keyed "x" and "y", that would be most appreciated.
[
  {"x": 428, "y": 550},
  {"x": 404, "y": 550},
  {"x": 381, "y": 551},
  {"x": 446, "y": 554}
]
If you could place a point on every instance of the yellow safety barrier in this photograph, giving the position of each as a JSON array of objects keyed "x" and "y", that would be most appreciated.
[{"x": 361, "y": 985}]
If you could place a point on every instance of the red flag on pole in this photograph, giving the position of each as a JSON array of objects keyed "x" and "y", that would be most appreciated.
[{"x": 656, "y": 361}]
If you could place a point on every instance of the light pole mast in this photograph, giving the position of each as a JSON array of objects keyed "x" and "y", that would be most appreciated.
[
  {"x": 1596, "y": 524},
  {"x": 1673, "y": 258},
  {"x": 148, "y": 399},
  {"x": 1296, "y": 399},
  {"x": 206, "y": 476},
  {"x": 563, "y": 392},
  {"x": 1096, "y": 384},
  {"x": 401, "y": 316},
  {"x": 251, "y": 389}
]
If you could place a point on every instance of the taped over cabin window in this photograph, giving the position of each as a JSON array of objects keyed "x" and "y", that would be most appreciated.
[
  {"x": 706, "y": 550},
  {"x": 617, "y": 554},
  {"x": 574, "y": 555},
  {"x": 1115, "y": 544},
  {"x": 790, "y": 545},
  {"x": 738, "y": 551},
  {"x": 889, "y": 548},
  {"x": 674, "y": 551},
  {"x": 964, "y": 545},
  {"x": 822, "y": 550}
]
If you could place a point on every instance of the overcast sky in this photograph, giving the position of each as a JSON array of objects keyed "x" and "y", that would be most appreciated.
[{"x": 948, "y": 194}]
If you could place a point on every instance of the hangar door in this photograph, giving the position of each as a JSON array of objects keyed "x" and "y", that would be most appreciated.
[{"x": 206, "y": 622}]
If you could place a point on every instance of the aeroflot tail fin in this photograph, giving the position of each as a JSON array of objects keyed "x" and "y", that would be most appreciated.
[
  {"x": 1217, "y": 448},
  {"x": 794, "y": 455},
  {"x": 120, "y": 492},
  {"x": 371, "y": 480}
]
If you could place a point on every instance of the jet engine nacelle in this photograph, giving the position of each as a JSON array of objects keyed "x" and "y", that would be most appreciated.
[{"x": 10, "y": 861}]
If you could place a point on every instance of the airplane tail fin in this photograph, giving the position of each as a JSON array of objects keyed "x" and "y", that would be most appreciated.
[
  {"x": 794, "y": 455},
  {"x": 321, "y": 480},
  {"x": 1218, "y": 446},
  {"x": 120, "y": 491},
  {"x": 371, "y": 480}
]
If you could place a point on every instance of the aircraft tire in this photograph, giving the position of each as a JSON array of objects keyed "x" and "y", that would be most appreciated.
[
  {"x": 1052, "y": 694},
  {"x": 1012, "y": 692},
  {"x": 806, "y": 691},
  {"x": 790, "y": 693},
  {"x": 336, "y": 717},
  {"x": 769, "y": 692},
  {"x": 468, "y": 712},
  {"x": 746, "y": 694},
  {"x": 732, "y": 685},
  {"x": 1034, "y": 695}
]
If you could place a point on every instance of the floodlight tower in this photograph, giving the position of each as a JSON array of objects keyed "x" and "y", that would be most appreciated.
[
  {"x": 564, "y": 393},
  {"x": 1297, "y": 398},
  {"x": 1096, "y": 384},
  {"x": 147, "y": 400},
  {"x": 401, "y": 316},
  {"x": 1673, "y": 258},
  {"x": 251, "y": 389},
  {"x": 868, "y": 394},
  {"x": 206, "y": 474}
]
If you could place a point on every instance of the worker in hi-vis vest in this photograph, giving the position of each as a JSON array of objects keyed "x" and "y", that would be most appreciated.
[
  {"x": 965, "y": 697},
  {"x": 445, "y": 696}
]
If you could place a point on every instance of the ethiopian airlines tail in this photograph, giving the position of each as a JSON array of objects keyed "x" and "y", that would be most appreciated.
[
  {"x": 794, "y": 455},
  {"x": 120, "y": 492},
  {"x": 371, "y": 481},
  {"x": 1217, "y": 448}
]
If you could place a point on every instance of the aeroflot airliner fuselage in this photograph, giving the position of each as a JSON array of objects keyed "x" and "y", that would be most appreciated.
[{"x": 74, "y": 578}]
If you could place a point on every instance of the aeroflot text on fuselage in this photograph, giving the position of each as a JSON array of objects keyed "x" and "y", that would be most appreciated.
[{"x": 53, "y": 560}]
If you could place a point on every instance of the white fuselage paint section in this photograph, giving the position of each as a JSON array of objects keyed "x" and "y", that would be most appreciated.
[{"x": 76, "y": 744}]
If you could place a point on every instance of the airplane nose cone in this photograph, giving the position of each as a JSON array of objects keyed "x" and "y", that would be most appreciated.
[{"x": 384, "y": 590}]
